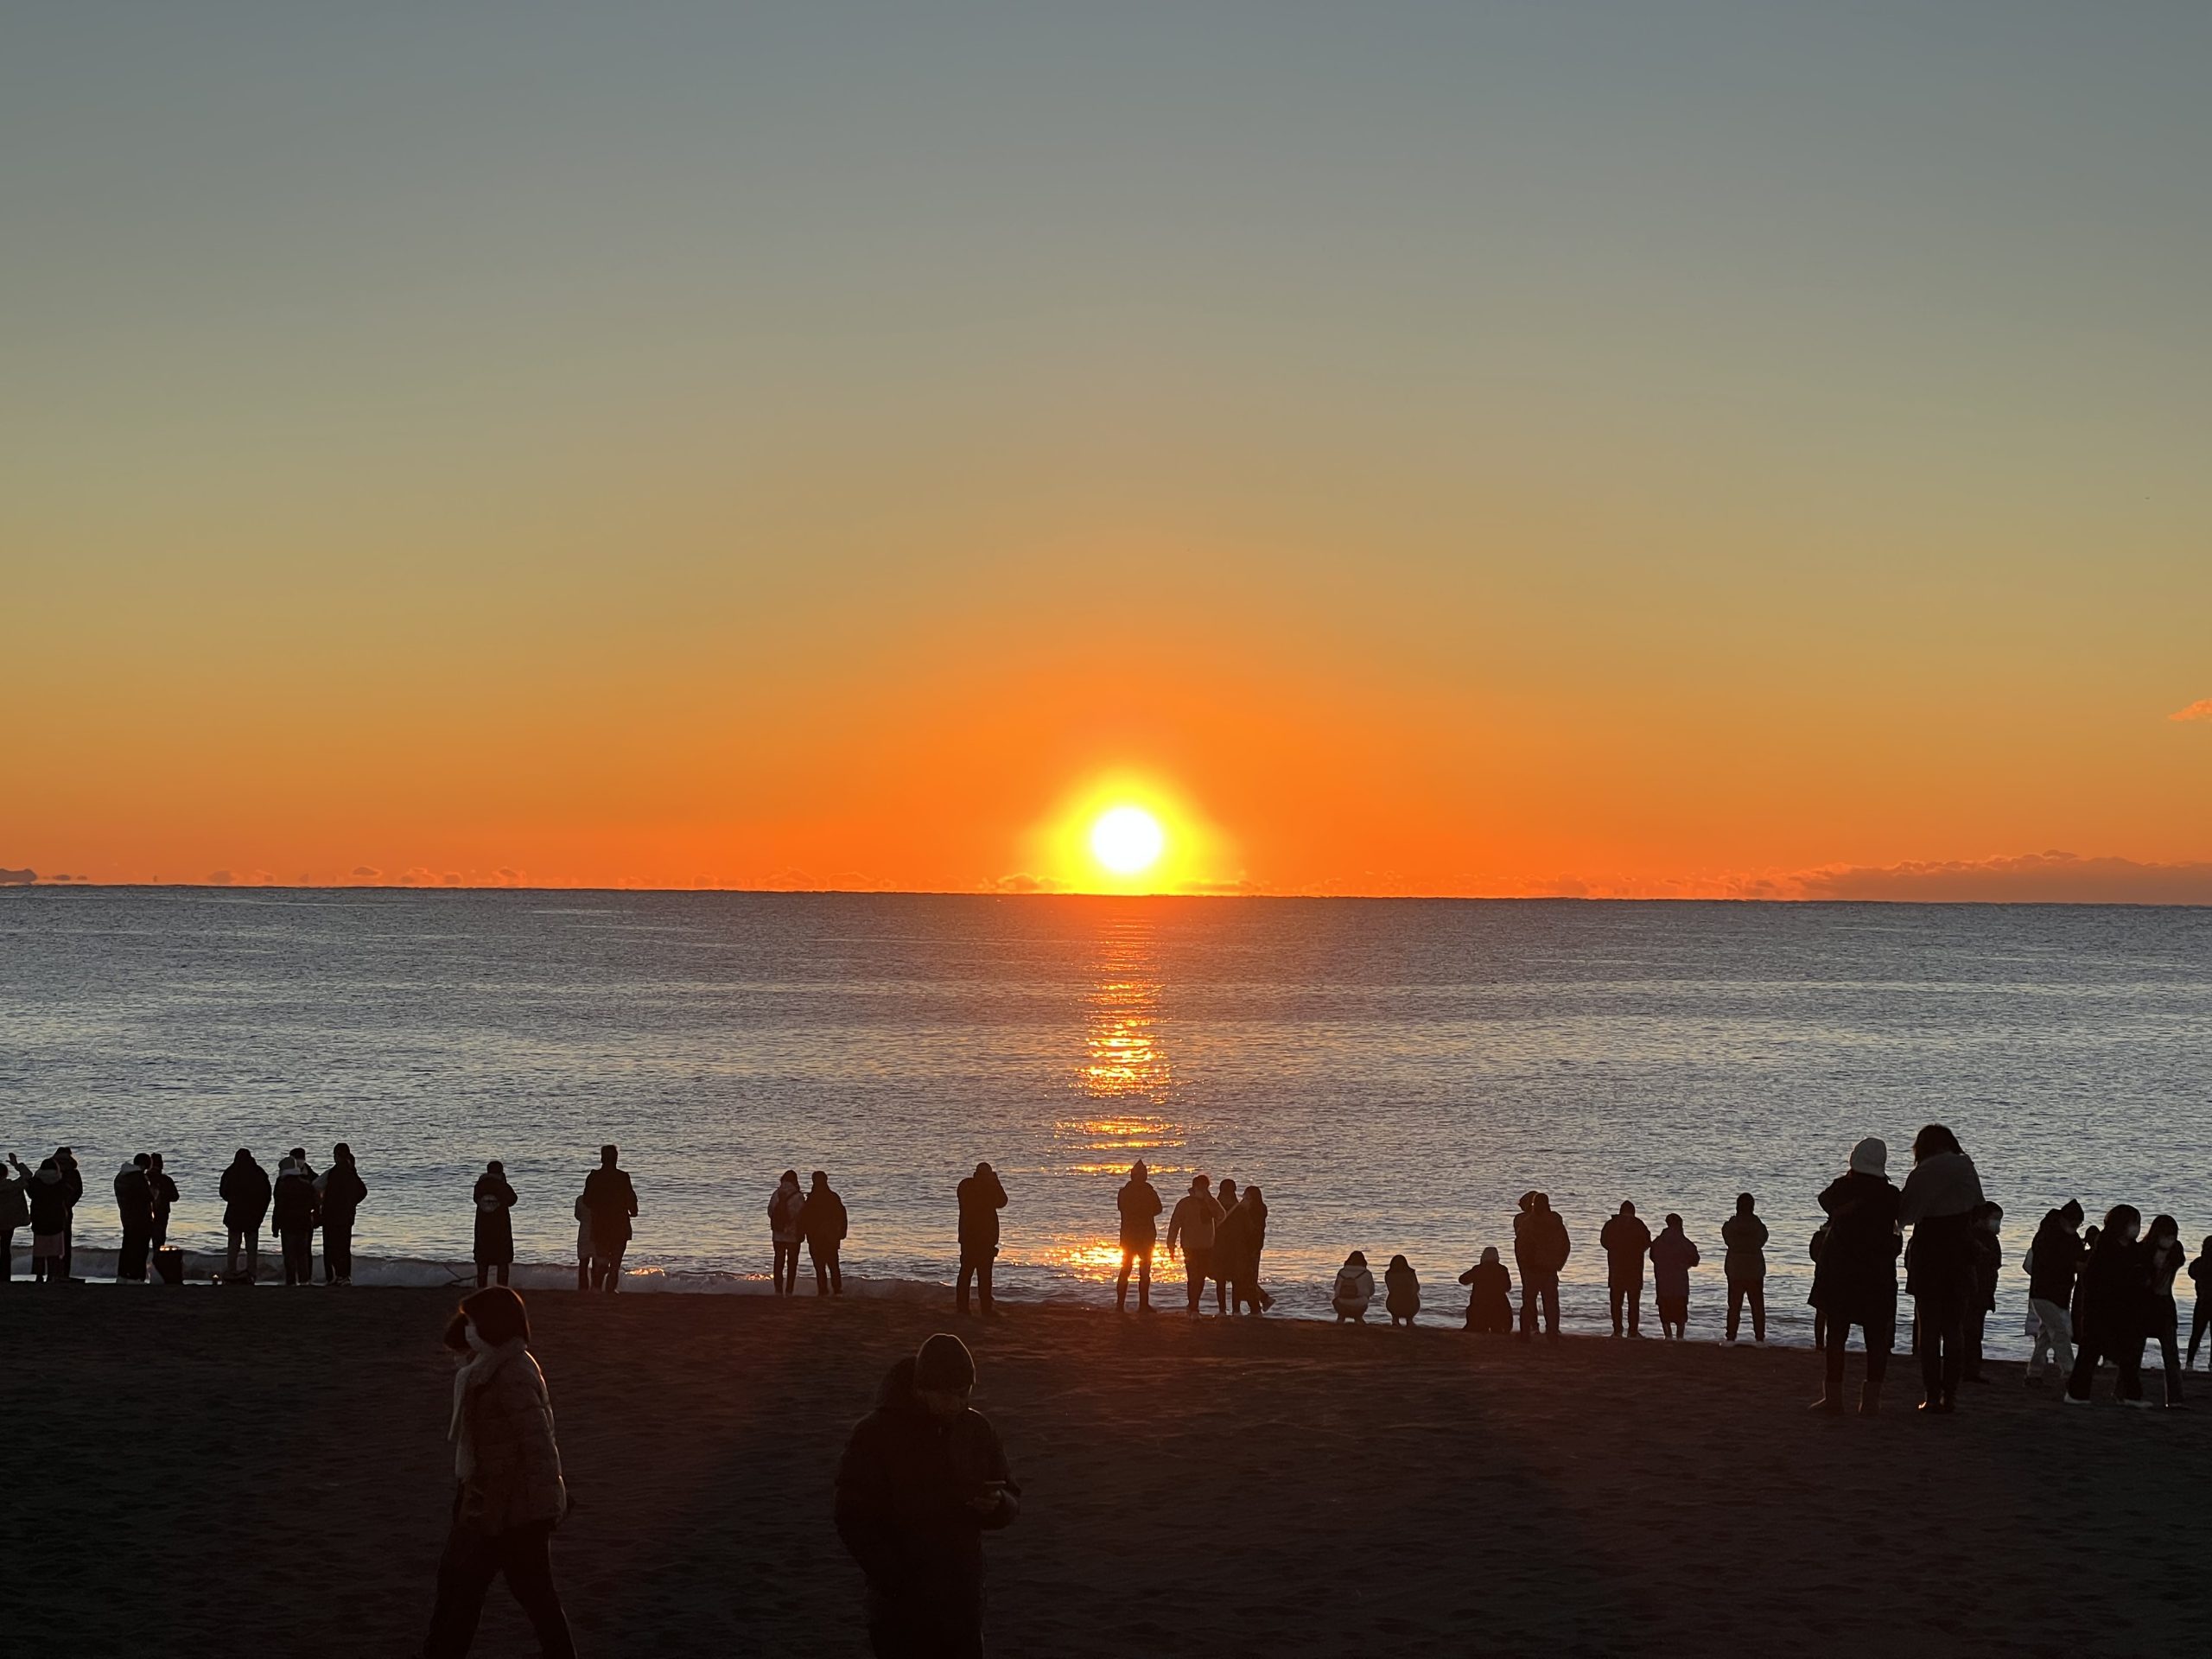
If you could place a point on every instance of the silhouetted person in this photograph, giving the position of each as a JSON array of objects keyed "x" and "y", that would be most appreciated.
[
  {"x": 583, "y": 1244},
  {"x": 1673, "y": 1256},
  {"x": 1353, "y": 1291},
  {"x": 165, "y": 1197},
  {"x": 1856, "y": 1279},
  {"x": 1401, "y": 1292},
  {"x": 245, "y": 1192},
  {"x": 1625, "y": 1239},
  {"x": 343, "y": 1193},
  {"x": 1813, "y": 1249},
  {"x": 785, "y": 1231},
  {"x": 134, "y": 1207},
  {"x": 47, "y": 1199},
  {"x": 1540, "y": 1247},
  {"x": 72, "y": 1188},
  {"x": 2163, "y": 1258},
  {"x": 1988, "y": 1263},
  {"x": 1256, "y": 1244},
  {"x": 293, "y": 1217},
  {"x": 495, "y": 1229},
  {"x": 613, "y": 1201},
  {"x": 980, "y": 1198},
  {"x": 825, "y": 1222},
  {"x": 1226, "y": 1196},
  {"x": 509, "y": 1494},
  {"x": 15, "y": 1211},
  {"x": 2110, "y": 1319},
  {"x": 1490, "y": 1294},
  {"x": 1195, "y": 1222},
  {"x": 1138, "y": 1204},
  {"x": 2053, "y": 1260},
  {"x": 2201, "y": 1271},
  {"x": 2089, "y": 1237},
  {"x": 1743, "y": 1261},
  {"x": 923, "y": 1479},
  {"x": 1942, "y": 1197}
]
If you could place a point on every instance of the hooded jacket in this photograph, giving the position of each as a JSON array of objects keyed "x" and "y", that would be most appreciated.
[
  {"x": 1489, "y": 1296},
  {"x": 343, "y": 1190},
  {"x": 1401, "y": 1291},
  {"x": 295, "y": 1204},
  {"x": 1197, "y": 1217},
  {"x": 245, "y": 1192},
  {"x": 1139, "y": 1203},
  {"x": 786, "y": 1204},
  {"x": 49, "y": 1202},
  {"x": 1856, "y": 1278},
  {"x": 2053, "y": 1261},
  {"x": 823, "y": 1220},
  {"x": 1354, "y": 1289},
  {"x": 1625, "y": 1239},
  {"x": 1539, "y": 1243},
  {"x": 980, "y": 1198},
  {"x": 134, "y": 1199},
  {"x": 1743, "y": 1237},
  {"x": 505, "y": 1455},
  {"x": 1673, "y": 1256}
]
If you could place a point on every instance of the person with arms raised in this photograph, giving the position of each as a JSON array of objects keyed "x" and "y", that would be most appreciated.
[
  {"x": 245, "y": 1192},
  {"x": 1625, "y": 1239},
  {"x": 1855, "y": 1278},
  {"x": 613, "y": 1201},
  {"x": 980, "y": 1197},
  {"x": 825, "y": 1225},
  {"x": 1942, "y": 1197},
  {"x": 1194, "y": 1224},
  {"x": 1138, "y": 1203}
]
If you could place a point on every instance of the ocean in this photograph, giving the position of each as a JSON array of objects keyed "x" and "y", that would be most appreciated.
[{"x": 1394, "y": 1073}]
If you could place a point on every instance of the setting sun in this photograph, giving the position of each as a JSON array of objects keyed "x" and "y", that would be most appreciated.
[{"x": 1127, "y": 840}]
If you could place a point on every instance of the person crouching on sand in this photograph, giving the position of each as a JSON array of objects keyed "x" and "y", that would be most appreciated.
[
  {"x": 1490, "y": 1295},
  {"x": 1197, "y": 1216},
  {"x": 1673, "y": 1256},
  {"x": 1401, "y": 1292},
  {"x": 510, "y": 1495},
  {"x": 924, "y": 1476},
  {"x": 1855, "y": 1278},
  {"x": 1353, "y": 1291},
  {"x": 495, "y": 1227},
  {"x": 785, "y": 1233}
]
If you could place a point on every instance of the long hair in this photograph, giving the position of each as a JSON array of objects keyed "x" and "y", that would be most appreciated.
[
  {"x": 2118, "y": 1220},
  {"x": 1933, "y": 1139}
]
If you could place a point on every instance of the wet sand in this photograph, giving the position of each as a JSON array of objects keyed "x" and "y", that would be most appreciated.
[{"x": 201, "y": 1471}]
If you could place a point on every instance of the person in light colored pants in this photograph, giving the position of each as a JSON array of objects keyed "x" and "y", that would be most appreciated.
[{"x": 2054, "y": 1335}]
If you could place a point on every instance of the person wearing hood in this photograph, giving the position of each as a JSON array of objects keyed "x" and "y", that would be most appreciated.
[
  {"x": 1196, "y": 1221},
  {"x": 1855, "y": 1280},
  {"x": 2053, "y": 1261},
  {"x": 341, "y": 1191},
  {"x": 48, "y": 1200},
  {"x": 293, "y": 1216},
  {"x": 1490, "y": 1295},
  {"x": 1673, "y": 1256},
  {"x": 1353, "y": 1291},
  {"x": 509, "y": 1493},
  {"x": 980, "y": 1197},
  {"x": 1541, "y": 1248},
  {"x": 1401, "y": 1292},
  {"x": 786, "y": 1232},
  {"x": 134, "y": 1205},
  {"x": 922, "y": 1478},
  {"x": 1237, "y": 1243},
  {"x": 165, "y": 1198},
  {"x": 2114, "y": 1288},
  {"x": 15, "y": 1211},
  {"x": 72, "y": 1188},
  {"x": 2163, "y": 1258},
  {"x": 495, "y": 1229},
  {"x": 2201, "y": 1271},
  {"x": 1625, "y": 1239},
  {"x": 825, "y": 1223},
  {"x": 245, "y": 1192},
  {"x": 613, "y": 1201},
  {"x": 1138, "y": 1204},
  {"x": 1942, "y": 1197},
  {"x": 1989, "y": 1265},
  {"x": 1743, "y": 1262}
]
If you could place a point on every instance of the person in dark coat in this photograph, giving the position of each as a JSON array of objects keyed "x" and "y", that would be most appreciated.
[
  {"x": 825, "y": 1223},
  {"x": 245, "y": 1192},
  {"x": 293, "y": 1217},
  {"x": 343, "y": 1191},
  {"x": 1942, "y": 1197},
  {"x": 786, "y": 1230},
  {"x": 1624, "y": 1238},
  {"x": 495, "y": 1228},
  {"x": 46, "y": 1198},
  {"x": 134, "y": 1205},
  {"x": 2052, "y": 1264},
  {"x": 1540, "y": 1247},
  {"x": 1988, "y": 1264},
  {"x": 2163, "y": 1258},
  {"x": 1401, "y": 1292},
  {"x": 2114, "y": 1288},
  {"x": 1138, "y": 1203},
  {"x": 1673, "y": 1256},
  {"x": 1225, "y": 1196},
  {"x": 2201, "y": 1271},
  {"x": 980, "y": 1197},
  {"x": 1813, "y": 1246},
  {"x": 924, "y": 1476},
  {"x": 1743, "y": 1263},
  {"x": 613, "y": 1201},
  {"x": 165, "y": 1198},
  {"x": 73, "y": 1185},
  {"x": 1248, "y": 1287},
  {"x": 15, "y": 1211},
  {"x": 1856, "y": 1279},
  {"x": 1490, "y": 1294}
]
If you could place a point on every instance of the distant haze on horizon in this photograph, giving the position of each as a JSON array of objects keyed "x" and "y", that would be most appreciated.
[{"x": 1655, "y": 450}]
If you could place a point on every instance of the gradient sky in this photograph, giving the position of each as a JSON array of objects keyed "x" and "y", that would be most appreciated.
[{"x": 1447, "y": 449}]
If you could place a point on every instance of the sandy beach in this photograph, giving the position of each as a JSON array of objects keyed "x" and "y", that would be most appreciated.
[{"x": 205, "y": 1470}]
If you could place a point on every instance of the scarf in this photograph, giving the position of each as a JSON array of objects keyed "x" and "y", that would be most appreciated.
[{"x": 482, "y": 1364}]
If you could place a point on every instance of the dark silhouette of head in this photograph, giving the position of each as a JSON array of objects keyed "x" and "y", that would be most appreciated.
[
  {"x": 496, "y": 1313},
  {"x": 495, "y": 1167},
  {"x": 2122, "y": 1223},
  {"x": 1490, "y": 1256},
  {"x": 1397, "y": 1261},
  {"x": 1252, "y": 1197},
  {"x": 1627, "y": 1209},
  {"x": 299, "y": 1154},
  {"x": 944, "y": 1376},
  {"x": 153, "y": 1162},
  {"x": 243, "y": 1157},
  {"x": 144, "y": 1160},
  {"x": 1137, "y": 1171},
  {"x": 1674, "y": 1223},
  {"x": 341, "y": 1154},
  {"x": 821, "y": 1179},
  {"x": 792, "y": 1177},
  {"x": 1744, "y": 1202},
  {"x": 608, "y": 1154},
  {"x": 1228, "y": 1194},
  {"x": 1540, "y": 1201},
  {"x": 2165, "y": 1230},
  {"x": 1992, "y": 1216},
  {"x": 982, "y": 1170},
  {"x": 1356, "y": 1259},
  {"x": 2070, "y": 1212},
  {"x": 1932, "y": 1140},
  {"x": 1199, "y": 1183}
]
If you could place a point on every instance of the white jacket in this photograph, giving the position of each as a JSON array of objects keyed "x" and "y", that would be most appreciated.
[{"x": 1354, "y": 1289}]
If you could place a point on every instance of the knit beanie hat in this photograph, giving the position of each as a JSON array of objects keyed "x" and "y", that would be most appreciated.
[
  {"x": 1871, "y": 1157},
  {"x": 944, "y": 1363}
]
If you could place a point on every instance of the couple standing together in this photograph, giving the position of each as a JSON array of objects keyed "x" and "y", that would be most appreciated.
[{"x": 1221, "y": 1239}]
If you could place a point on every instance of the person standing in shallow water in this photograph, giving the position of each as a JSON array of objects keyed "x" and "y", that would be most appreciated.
[
  {"x": 785, "y": 1231},
  {"x": 1743, "y": 1261},
  {"x": 825, "y": 1225},
  {"x": 509, "y": 1494},
  {"x": 495, "y": 1230},
  {"x": 245, "y": 1192},
  {"x": 980, "y": 1197},
  {"x": 1625, "y": 1239},
  {"x": 1942, "y": 1197},
  {"x": 1855, "y": 1281},
  {"x": 922, "y": 1478},
  {"x": 1673, "y": 1256},
  {"x": 613, "y": 1201},
  {"x": 1541, "y": 1248},
  {"x": 1138, "y": 1204},
  {"x": 1195, "y": 1222}
]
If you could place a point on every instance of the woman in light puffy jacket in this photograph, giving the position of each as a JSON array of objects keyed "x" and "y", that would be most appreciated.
[
  {"x": 1354, "y": 1290},
  {"x": 787, "y": 1229}
]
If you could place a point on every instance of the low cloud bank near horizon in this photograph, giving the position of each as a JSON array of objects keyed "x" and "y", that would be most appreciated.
[
  {"x": 2049, "y": 877},
  {"x": 2201, "y": 710}
]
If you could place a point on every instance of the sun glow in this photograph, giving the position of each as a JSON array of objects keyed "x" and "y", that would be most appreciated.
[
  {"x": 1127, "y": 832},
  {"x": 1127, "y": 840}
]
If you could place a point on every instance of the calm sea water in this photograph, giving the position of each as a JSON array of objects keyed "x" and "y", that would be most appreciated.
[{"x": 1394, "y": 1073}]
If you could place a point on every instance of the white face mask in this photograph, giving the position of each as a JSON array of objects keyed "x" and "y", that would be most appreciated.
[{"x": 476, "y": 1339}]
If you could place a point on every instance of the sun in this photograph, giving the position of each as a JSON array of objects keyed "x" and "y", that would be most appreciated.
[{"x": 1127, "y": 840}]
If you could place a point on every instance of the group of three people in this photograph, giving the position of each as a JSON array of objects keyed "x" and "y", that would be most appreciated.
[
  {"x": 604, "y": 1211},
  {"x": 45, "y": 1200},
  {"x": 1220, "y": 1236}
]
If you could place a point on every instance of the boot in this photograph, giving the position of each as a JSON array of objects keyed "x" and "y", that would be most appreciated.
[
  {"x": 1832, "y": 1404},
  {"x": 1870, "y": 1398}
]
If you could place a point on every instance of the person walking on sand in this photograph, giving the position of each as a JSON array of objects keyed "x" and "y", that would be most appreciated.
[
  {"x": 1942, "y": 1197},
  {"x": 1138, "y": 1204},
  {"x": 1743, "y": 1262},
  {"x": 2201, "y": 1271},
  {"x": 165, "y": 1197},
  {"x": 2163, "y": 1258},
  {"x": 293, "y": 1217},
  {"x": 824, "y": 1223},
  {"x": 1490, "y": 1295},
  {"x": 495, "y": 1230},
  {"x": 343, "y": 1192},
  {"x": 1625, "y": 1239},
  {"x": 2109, "y": 1321},
  {"x": 1194, "y": 1224},
  {"x": 509, "y": 1494},
  {"x": 15, "y": 1212},
  {"x": 980, "y": 1197},
  {"x": 47, "y": 1199},
  {"x": 1988, "y": 1264},
  {"x": 134, "y": 1204},
  {"x": 1541, "y": 1248},
  {"x": 613, "y": 1201},
  {"x": 922, "y": 1478},
  {"x": 1855, "y": 1281},
  {"x": 2053, "y": 1260},
  {"x": 785, "y": 1231},
  {"x": 1354, "y": 1290},
  {"x": 1401, "y": 1292},
  {"x": 245, "y": 1192},
  {"x": 1673, "y": 1256}
]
